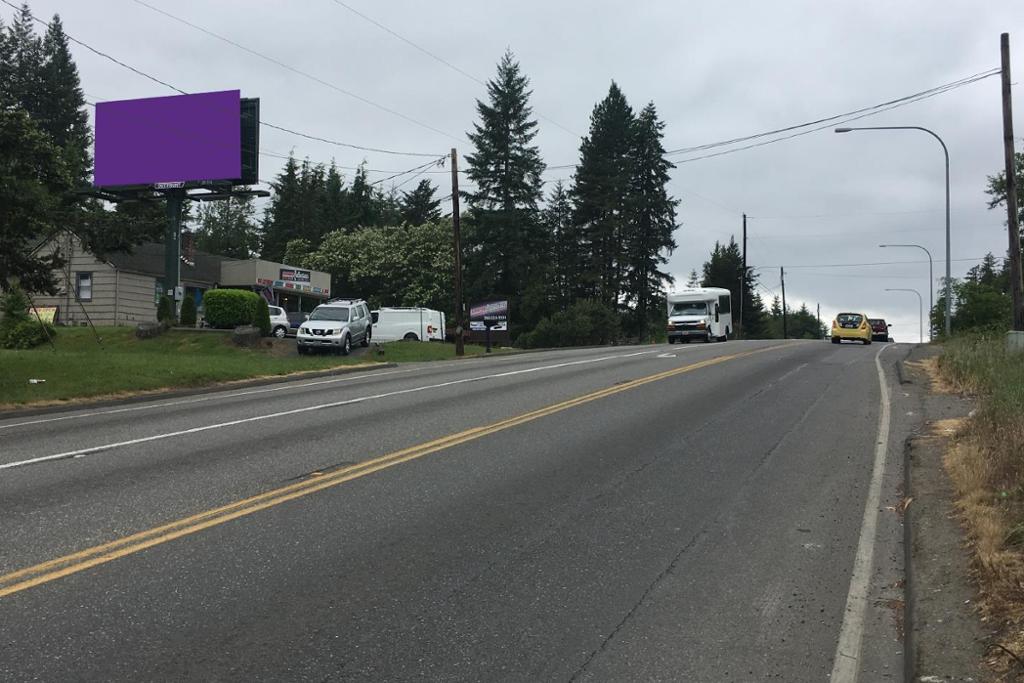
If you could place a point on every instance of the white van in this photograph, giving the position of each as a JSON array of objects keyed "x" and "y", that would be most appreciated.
[
  {"x": 410, "y": 324},
  {"x": 703, "y": 313}
]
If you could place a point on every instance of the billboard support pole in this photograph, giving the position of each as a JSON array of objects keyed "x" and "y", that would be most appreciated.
[{"x": 172, "y": 242}]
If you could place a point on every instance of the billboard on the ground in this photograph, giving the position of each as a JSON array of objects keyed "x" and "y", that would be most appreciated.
[{"x": 177, "y": 139}]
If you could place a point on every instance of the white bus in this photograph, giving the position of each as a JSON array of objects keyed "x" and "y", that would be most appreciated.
[
  {"x": 409, "y": 324},
  {"x": 703, "y": 313}
]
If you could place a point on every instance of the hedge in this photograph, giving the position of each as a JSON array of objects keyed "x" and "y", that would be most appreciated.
[{"x": 227, "y": 308}]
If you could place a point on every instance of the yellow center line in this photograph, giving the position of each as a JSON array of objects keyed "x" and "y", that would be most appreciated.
[{"x": 66, "y": 565}]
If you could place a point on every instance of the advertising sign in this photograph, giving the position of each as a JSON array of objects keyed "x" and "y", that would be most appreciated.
[
  {"x": 177, "y": 139},
  {"x": 296, "y": 275},
  {"x": 493, "y": 314},
  {"x": 47, "y": 314}
]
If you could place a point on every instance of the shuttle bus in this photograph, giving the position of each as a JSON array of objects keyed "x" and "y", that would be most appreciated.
[{"x": 701, "y": 313}]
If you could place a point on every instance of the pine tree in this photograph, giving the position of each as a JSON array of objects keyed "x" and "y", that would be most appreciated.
[
  {"x": 565, "y": 240},
  {"x": 62, "y": 111},
  {"x": 506, "y": 169},
  {"x": 280, "y": 218},
  {"x": 601, "y": 195},
  {"x": 693, "y": 280},
  {"x": 647, "y": 238},
  {"x": 420, "y": 206},
  {"x": 21, "y": 82},
  {"x": 360, "y": 205},
  {"x": 228, "y": 228},
  {"x": 724, "y": 269},
  {"x": 334, "y": 204}
]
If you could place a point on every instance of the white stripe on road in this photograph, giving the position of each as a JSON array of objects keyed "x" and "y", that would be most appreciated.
[
  {"x": 323, "y": 406},
  {"x": 846, "y": 665}
]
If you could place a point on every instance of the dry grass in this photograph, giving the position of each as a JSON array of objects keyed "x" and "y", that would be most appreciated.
[{"x": 986, "y": 465}]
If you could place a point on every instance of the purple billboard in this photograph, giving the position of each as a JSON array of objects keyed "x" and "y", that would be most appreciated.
[{"x": 182, "y": 138}]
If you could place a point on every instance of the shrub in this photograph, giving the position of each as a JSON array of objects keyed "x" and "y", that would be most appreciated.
[
  {"x": 165, "y": 310},
  {"x": 27, "y": 334},
  {"x": 585, "y": 323},
  {"x": 226, "y": 308},
  {"x": 262, "y": 317},
  {"x": 188, "y": 311}
]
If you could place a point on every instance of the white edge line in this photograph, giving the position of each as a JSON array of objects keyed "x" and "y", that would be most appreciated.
[
  {"x": 846, "y": 664},
  {"x": 220, "y": 425}
]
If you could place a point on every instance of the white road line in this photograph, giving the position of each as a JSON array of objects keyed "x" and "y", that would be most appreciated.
[
  {"x": 846, "y": 665},
  {"x": 82, "y": 452}
]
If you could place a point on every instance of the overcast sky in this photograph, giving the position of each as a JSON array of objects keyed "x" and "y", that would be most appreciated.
[{"x": 714, "y": 70}]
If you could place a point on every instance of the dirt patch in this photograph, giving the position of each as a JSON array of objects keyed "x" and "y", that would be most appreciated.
[{"x": 930, "y": 368}]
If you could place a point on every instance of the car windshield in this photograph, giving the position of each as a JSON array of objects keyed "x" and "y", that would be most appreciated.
[
  {"x": 330, "y": 313},
  {"x": 690, "y": 308},
  {"x": 849, "y": 318}
]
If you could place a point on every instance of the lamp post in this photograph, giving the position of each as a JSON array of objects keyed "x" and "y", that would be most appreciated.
[
  {"x": 931, "y": 280},
  {"x": 948, "y": 287},
  {"x": 920, "y": 311}
]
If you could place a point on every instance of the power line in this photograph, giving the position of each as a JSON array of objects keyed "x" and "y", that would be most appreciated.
[
  {"x": 295, "y": 70},
  {"x": 436, "y": 162},
  {"x": 435, "y": 57},
  {"x": 876, "y": 263}
]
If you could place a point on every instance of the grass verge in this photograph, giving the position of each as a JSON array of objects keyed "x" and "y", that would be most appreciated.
[
  {"x": 123, "y": 365},
  {"x": 986, "y": 466}
]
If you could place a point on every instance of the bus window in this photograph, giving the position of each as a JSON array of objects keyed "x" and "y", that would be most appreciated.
[{"x": 723, "y": 304}]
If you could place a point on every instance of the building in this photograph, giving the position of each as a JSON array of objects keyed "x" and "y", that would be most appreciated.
[{"x": 125, "y": 288}]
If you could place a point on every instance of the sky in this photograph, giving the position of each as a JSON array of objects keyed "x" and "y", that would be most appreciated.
[{"x": 715, "y": 71}]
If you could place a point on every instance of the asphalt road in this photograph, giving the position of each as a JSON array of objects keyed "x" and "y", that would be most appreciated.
[{"x": 683, "y": 513}]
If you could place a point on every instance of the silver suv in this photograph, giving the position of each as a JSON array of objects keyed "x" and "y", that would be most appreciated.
[{"x": 336, "y": 326}]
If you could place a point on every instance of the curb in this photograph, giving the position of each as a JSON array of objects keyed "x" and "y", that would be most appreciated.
[{"x": 158, "y": 395}]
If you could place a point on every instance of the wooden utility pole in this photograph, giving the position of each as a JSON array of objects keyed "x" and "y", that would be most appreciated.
[
  {"x": 459, "y": 349},
  {"x": 818, "y": 316},
  {"x": 743, "y": 281},
  {"x": 782, "y": 276},
  {"x": 1012, "y": 215}
]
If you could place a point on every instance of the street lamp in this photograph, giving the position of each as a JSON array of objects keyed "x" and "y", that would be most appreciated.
[
  {"x": 945, "y": 151},
  {"x": 931, "y": 280},
  {"x": 920, "y": 311}
]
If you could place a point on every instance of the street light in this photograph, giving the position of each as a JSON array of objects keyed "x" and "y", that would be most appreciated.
[
  {"x": 945, "y": 151},
  {"x": 931, "y": 280},
  {"x": 920, "y": 311}
]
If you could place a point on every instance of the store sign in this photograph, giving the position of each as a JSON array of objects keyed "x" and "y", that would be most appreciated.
[
  {"x": 48, "y": 314},
  {"x": 296, "y": 275},
  {"x": 489, "y": 314}
]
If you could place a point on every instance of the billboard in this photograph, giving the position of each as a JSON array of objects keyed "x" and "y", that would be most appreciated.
[
  {"x": 493, "y": 314},
  {"x": 177, "y": 139},
  {"x": 296, "y": 275}
]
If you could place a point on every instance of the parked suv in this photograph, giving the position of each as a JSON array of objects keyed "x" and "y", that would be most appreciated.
[{"x": 336, "y": 326}]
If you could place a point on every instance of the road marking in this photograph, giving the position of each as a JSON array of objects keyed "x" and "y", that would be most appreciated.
[
  {"x": 666, "y": 355},
  {"x": 60, "y": 567},
  {"x": 846, "y": 664},
  {"x": 82, "y": 452}
]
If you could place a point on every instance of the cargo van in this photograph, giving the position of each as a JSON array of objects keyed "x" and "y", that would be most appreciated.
[
  {"x": 409, "y": 324},
  {"x": 701, "y": 313}
]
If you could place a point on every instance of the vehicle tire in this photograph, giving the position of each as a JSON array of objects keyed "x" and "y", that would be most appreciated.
[
  {"x": 280, "y": 331},
  {"x": 366, "y": 337},
  {"x": 346, "y": 345},
  {"x": 836, "y": 340},
  {"x": 671, "y": 340},
  {"x": 708, "y": 339},
  {"x": 867, "y": 342},
  {"x": 411, "y": 336}
]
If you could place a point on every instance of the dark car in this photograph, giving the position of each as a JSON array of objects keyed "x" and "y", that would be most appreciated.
[{"x": 879, "y": 329}]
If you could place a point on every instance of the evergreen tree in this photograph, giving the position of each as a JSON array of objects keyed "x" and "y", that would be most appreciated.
[
  {"x": 506, "y": 169},
  {"x": 601, "y": 195},
  {"x": 228, "y": 228},
  {"x": 360, "y": 206},
  {"x": 280, "y": 218},
  {"x": 647, "y": 239},
  {"x": 386, "y": 208},
  {"x": 420, "y": 206},
  {"x": 694, "y": 279},
  {"x": 62, "y": 111},
  {"x": 725, "y": 269},
  {"x": 334, "y": 204},
  {"x": 21, "y": 82},
  {"x": 565, "y": 253}
]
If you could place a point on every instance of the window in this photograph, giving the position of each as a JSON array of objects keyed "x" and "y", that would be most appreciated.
[
  {"x": 724, "y": 302},
  {"x": 83, "y": 286},
  {"x": 337, "y": 313}
]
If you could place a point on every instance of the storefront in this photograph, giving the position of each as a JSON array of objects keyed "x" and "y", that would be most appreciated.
[{"x": 296, "y": 290}]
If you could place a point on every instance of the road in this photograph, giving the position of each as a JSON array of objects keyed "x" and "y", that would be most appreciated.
[{"x": 694, "y": 512}]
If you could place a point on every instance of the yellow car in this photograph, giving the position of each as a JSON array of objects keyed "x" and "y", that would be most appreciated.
[{"x": 851, "y": 326}]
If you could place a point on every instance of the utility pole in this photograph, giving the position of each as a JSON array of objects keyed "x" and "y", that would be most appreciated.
[
  {"x": 743, "y": 281},
  {"x": 818, "y": 316},
  {"x": 782, "y": 276},
  {"x": 456, "y": 230},
  {"x": 1012, "y": 215}
]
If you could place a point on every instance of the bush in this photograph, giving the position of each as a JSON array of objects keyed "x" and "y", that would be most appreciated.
[
  {"x": 188, "y": 311},
  {"x": 585, "y": 323},
  {"x": 227, "y": 308},
  {"x": 27, "y": 334},
  {"x": 262, "y": 317},
  {"x": 165, "y": 311}
]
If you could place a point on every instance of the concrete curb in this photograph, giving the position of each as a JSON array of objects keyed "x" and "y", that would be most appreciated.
[{"x": 158, "y": 395}]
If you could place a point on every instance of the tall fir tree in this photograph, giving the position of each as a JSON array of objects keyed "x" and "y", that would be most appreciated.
[
  {"x": 281, "y": 215},
  {"x": 601, "y": 196},
  {"x": 62, "y": 111},
  {"x": 565, "y": 251},
  {"x": 506, "y": 169},
  {"x": 22, "y": 81},
  {"x": 334, "y": 203},
  {"x": 420, "y": 206},
  {"x": 725, "y": 269},
  {"x": 647, "y": 238},
  {"x": 360, "y": 205}
]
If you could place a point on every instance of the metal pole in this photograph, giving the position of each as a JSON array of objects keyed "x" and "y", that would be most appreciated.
[
  {"x": 920, "y": 311},
  {"x": 172, "y": 242},
  {"x": 782, "y": 276},
  {"x": 457, "y": 235},
  {"x": 818, "y": 316},
  {"x": 743, "y": 281},
  {"x": 1012, "y": 215},
  {"x": 931, "y": 282}
]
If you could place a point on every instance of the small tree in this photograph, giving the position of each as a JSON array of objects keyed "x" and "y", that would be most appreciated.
[
  {"x": 165, "y": 311},
  {"x": 262, "y": 317},
  {"x": 13, "y": 310},
  {"x": 188, "y": 312}
]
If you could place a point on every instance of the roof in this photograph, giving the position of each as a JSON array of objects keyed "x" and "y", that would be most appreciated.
[{"x": 148, "y": 259}]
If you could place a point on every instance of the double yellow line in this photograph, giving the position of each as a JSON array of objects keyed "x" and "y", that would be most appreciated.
[{"x": 60, "y": 567}]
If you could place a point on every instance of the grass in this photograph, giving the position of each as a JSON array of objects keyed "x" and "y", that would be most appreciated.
[
  {"x": 80, "y": 368},
  {"x": 986, "y": 465}
]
